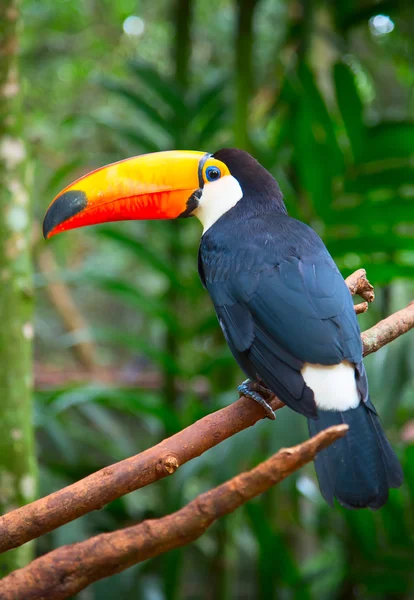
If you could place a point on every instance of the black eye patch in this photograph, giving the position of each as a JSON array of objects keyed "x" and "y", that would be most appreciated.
[{"x": 200, "y": 169}]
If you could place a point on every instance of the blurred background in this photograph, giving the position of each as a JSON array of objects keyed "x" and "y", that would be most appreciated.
[{"x": 127, "y": 347}]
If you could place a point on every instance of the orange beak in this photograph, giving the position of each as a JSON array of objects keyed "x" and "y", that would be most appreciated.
[{"x": 163, "y": 185}]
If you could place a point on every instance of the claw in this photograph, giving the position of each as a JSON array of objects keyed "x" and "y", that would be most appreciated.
[{"x": 254, "y": 390}]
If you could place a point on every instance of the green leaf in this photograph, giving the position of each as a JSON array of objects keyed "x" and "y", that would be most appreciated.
[
  {"x": 75, "y": 396},
  {"x": 142, "y": 346},
  {"x": 141, "y": 250},
  {"x": 395, "y": 522},
  {"x": 369, "y": 214},
  {"x": 153, "y": 114},
  {"x": 60, "y": 175},
  {"x": 271, "y": 544},
  {"x": 140, "y": 140},
  {"x": 310, "y": 163},
  {"x": 103, "y": 421},
  {"x": 208, "y": 99},
  {"x": 383, "y": 582},
  {"x": 129, "y": 402},
  {"x": 166, "y": 90},
  {"x": 58, "y": 435},
  {"x": 211, "y": 127},
  {"x": 150, "y": 306},
  {"x": 389, "y": 141},
  {"x": 409, "y": 469},
  {"x": 363, "y": 181},
  {"x": 321, "y": 124},
  {"x": 362, "y": 527},
  {"x": 221, "y": 359},
  {"x": 317, "y": 156},
  {"x": 351, "y": 108}
]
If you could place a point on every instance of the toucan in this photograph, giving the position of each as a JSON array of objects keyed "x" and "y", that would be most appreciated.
[{"x": 281, "y": 302}]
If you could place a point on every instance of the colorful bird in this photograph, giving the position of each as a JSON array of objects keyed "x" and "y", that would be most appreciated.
[{"x": 282, "y": 304}]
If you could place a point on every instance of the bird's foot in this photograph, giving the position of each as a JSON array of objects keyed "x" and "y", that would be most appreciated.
[{"x": 257, "y": 392}]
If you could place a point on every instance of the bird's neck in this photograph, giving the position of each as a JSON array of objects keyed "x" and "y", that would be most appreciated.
[
  {"x": 258, "y": 204},
  {"x": 243, "y": 220}
]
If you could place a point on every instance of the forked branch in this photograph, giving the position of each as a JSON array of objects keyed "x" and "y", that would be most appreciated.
[
  {"x": 69, "y": 569},
  {"x": 114, "y": 481}
]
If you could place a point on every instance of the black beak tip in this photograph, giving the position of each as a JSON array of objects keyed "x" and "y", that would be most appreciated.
[
  {"x": 46, "y": 227},
  {"x": 63, "y": 208}
]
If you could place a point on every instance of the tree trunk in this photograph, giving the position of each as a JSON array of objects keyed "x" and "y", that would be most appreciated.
[
  {"x": 183, "y": 16},
  {"x": 243, "y": 71},
  {"x": 17, "y": 460}
]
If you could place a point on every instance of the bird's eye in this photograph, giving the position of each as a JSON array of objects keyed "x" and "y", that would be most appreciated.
[{"x": 213, "y": 173}]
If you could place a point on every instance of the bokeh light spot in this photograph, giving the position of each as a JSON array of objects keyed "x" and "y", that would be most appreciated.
[
  {"x": 133, "y": 25},
  {"x": 381, "y": 25}
]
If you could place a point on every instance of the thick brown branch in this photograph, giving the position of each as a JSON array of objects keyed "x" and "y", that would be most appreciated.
[
  {"x": 69, "y": 569},
  {"x": 108, "y": 484},
  {"x": 101, "y": 487}
]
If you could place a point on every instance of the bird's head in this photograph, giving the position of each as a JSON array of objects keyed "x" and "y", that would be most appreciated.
[{"x": 162, "y": 185}]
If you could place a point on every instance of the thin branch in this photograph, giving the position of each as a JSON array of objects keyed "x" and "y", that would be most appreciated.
[
  {"x": 388, "y": 329},
  {"x": 361, "y": 308},
  {"x": 108, "y": 484},
  {"x": 69, "y": 569},
  {"x": 359, "y": 285},
  {"x": 66, "y": 308}
]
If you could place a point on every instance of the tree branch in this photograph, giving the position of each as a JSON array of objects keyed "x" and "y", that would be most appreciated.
[
  {"x": 108, "y": 484},
  {"x": 69, "y": 569},
  {"x": 388, "y": 329},
  {"x": 61, "y": 298},
  {"x": 359, "y": 285}
]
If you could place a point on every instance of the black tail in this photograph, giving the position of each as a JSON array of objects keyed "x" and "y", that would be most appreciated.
[{"x": 359, "y": 468}]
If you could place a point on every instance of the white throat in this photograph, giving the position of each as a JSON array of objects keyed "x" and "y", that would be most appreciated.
[{"x": 217, "y": 198}]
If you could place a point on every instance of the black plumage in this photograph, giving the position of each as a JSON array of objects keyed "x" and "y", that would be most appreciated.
[{"x": 281, "y": 302}]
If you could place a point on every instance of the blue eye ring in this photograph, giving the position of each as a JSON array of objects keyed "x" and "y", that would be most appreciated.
[{"x": 213, "y": 173}]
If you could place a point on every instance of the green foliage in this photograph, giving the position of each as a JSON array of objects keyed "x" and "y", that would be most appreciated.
[
  {"x": 358, "y": 190},
  {"x": 344, "y": 159},
  {"x": 194, "y": 122}
]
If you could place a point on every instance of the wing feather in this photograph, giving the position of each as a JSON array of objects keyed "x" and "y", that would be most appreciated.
[{"x": 280, "y": 304}]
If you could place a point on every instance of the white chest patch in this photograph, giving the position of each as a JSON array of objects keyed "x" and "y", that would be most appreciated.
[
  {"x": 217, "y": 198},
  {"x": 334, "y": 386}
]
